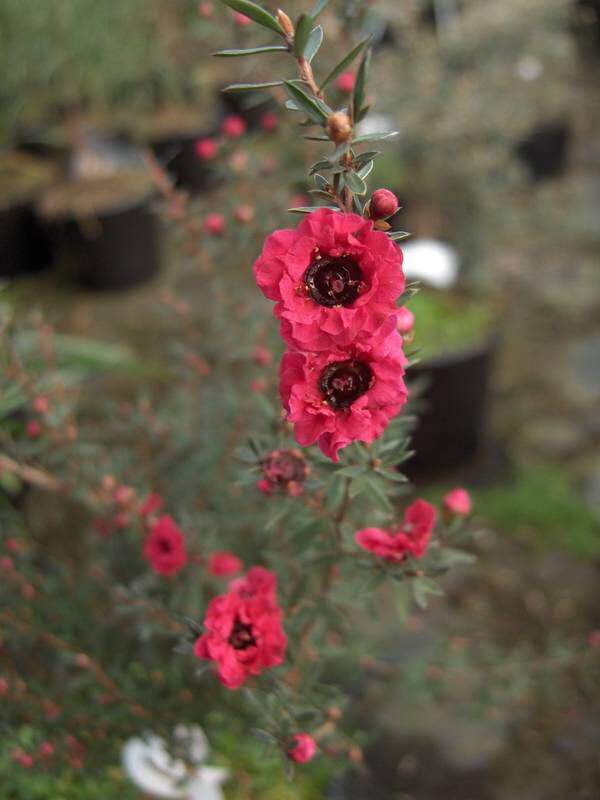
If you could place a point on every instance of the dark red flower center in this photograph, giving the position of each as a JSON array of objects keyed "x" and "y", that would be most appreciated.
[
  {"x": 165, "y": 545},
  {"x": 333, "y": 281},
  {"x": 241, "y": 637},
  {"x": 343, "y": 382}
]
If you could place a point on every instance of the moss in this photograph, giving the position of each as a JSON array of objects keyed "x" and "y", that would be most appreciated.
[{"x": 447, "y": 322}]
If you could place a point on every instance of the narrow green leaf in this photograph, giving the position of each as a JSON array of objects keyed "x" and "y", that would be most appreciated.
[
  {"x": 321, "y": 182},
  {"x": 397, "y": 236},
  {"x": 315, "y": 40},
  {"x": 316, "y": 138},
  {"x": 355, "y": 183},
  {"x": 363, "y": 113},
  {"x": 422, "y": 587},
  {"x": 320, "y": 165},
  {"x": 309, "y": 209},
  {"x": 256, "y": 13},
  {"x": 345, "y": 62},
  {"x": 250, "y": 87},
  {"x": 374, "y": 137},
  {"x": 364, "y": 158},
  {"x": 351, "y": 472},
  {"x": 318, "y": 8},
  {"x": 320, "y": 193},
  {"x": 302, "y": 32},
  {"x": 360, "y": 87},
  {"x": 307, "y": 104},
  {"x": 252, "y": 51}
]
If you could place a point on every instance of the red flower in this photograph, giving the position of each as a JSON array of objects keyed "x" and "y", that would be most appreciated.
[
  {"x": 165, "y": 547},
  {"x": 345, "y": 82},
  {"x": 303, "y": 748},
  {"x": 244, "y": 634},
  {"x": 269, "y": 121},
  {"x": 206, "y": 149},
  {"x": 284, "y": 469},
  {"x": 334, "y": 279},
  {"x": 234, "y": 126},
  {"x": 214, "y": 223},
  {"x": 410, "y": 538},
  {"x": 344, "y": 396},
  {"x": 458, "y": 502},
  {"x": 223, "y": 563}
]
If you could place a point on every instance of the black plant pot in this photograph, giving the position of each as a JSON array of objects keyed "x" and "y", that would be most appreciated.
[
  {"x": 24, "y": 246},
  {"x": 451, "y": 427},
  {"x": 545, "y": 150},
  {"x": 587, "y": 26},
  {"x": 177, "y": 154},
  {"x": 115, "y": 250}
]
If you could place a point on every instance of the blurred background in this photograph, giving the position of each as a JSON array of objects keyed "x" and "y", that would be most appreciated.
[{"x": 497, "y": 168}]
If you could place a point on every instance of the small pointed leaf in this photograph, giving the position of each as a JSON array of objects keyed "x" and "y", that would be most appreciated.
[
  {"x": 318, "y": 8},
  {"x": 360, "y": 87},
  {"x": 303, "y": 29},
  {"x": 315, "y": 40},
  {"x": 397, "y": 236},
  {"x": 306, "y": 103},
  {"x": 375, "y": 137},
  {"x": 355, "y": 183},
  {"x": 345, "y": 62},
  {"x": 251, "y": 87},
  {"x": 252, "y": 51},
  {"x": 310, "y": 209},
  {"x": 256, "y": 13}
]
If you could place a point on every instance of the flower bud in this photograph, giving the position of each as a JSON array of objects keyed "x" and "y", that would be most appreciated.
[
  {"x": 406, "y": 320},
  {"x": 285, "y": 22},
  {"x": 303, "y": 748},
  {"x": 458, "y": 502},
  {"x": 345, "y": 82},
  {"x": 339, "y": 127},
  {"x": 383, "y": 204},
  {"x": 214, "y": 224}
]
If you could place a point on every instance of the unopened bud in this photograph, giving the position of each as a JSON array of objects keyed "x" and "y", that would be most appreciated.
[
  {"x": 339, "y": 127},
  {"x": 285, "y": 22},
  {"x": 383, "y": 204}
]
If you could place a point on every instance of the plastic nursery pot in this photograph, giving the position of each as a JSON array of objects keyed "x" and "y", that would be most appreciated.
[
  {"x": 111, "y": 244},
  {"x": 451, "y": 427},
  {"x": 545, "y": 150},
  {"x": 24, "y": 247},
  {"x": 177, "y": 154}
]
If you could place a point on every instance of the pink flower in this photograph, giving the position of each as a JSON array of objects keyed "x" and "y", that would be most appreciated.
[
  {"x": 284, "y": 470},
  {"x": 214, "y": 223},
  {"x": 345, "y": 82},
  {"x": 343, "y": 396},
  {"x": 258, "y": 386},
  {"x": 334, "y": 279},
  {"x": 46, "y": 749},
  {"x": 410, "y": 538},
  {"x": 244, "y": 635},
  {"x": 223, "y": 563},
  {"x": 165, "y": 547},
  {"x": 243, "y": 214},
  {"x": 33, "y": 429},
  {"x": 458, "y": 502},
  {"x": 269, "y": 121},
  {"x": 22, "y": 758},
  {"x": 383, "y": 204},
  {"x": 406, "y": 320},
  {"x": 151, "y": 505},
  {"x": 206, "y": 149},
  {"x": 241, "y": 19},
  {"x": 303, "y": 748},
  {"x": 234, "y": 126}
]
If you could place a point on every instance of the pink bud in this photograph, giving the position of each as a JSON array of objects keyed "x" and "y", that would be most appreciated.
[
  {"x": 303, "y": 748},
  {"x": 223, "y": 563},
  {"x": 406, "y": 320},
  {"x": 234, "y": 126},
  {"x": 6, "y": 564},
  {"x": 46, "y": 749},
  {"x": 383, "y": 204},
  {"x": 458, "y": 502},
  {"x": 206, "y": 149},
  {"x": 214, "y": 224},
  {"x": 269, "y": 121},
  {"x": 241, "y": 19},
  {"x": 345, "y": 82},
  {"x": 41, "y": 404},
  {"x": 243, "y": 214},
  {"x": 262, "y": 356},
  {"x": 265, "y": 486},
  {"x": 205, "y": 9},
  {"x": 33, "y": 429}
]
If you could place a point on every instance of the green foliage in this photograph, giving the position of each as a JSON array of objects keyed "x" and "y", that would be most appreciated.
[
  {"x": 541, "y": 506},
  {"x": 447, "y": 323}
]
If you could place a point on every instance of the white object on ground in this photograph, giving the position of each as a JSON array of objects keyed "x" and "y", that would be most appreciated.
[
  {"x": 152, "y": 769},
  {"x": 431, "y": 261}
]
